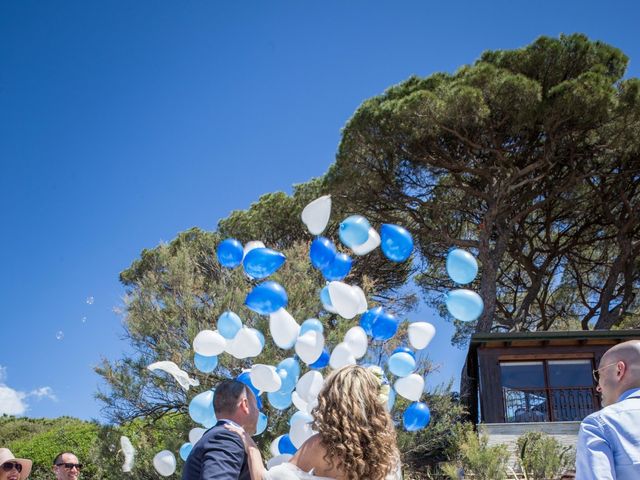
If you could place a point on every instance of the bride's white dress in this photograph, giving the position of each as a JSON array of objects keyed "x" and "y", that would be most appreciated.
[{"x": 288, "y": 471}]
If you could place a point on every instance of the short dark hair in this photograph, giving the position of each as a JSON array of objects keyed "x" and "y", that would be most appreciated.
[
  {"x": 59, "y": 456},
  {"x": 227, "y": 394}
]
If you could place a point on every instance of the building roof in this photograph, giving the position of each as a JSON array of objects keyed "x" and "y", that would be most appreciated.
[{"x": 577, "y": 336}]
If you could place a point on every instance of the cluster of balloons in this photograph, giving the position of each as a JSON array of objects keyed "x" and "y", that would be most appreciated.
[{"x": 463, "y": 304}]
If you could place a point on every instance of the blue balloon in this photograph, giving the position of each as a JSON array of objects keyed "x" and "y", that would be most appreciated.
[
  {"x": 292, "y": 369},
  {"x": 325, "y": 298},
  {"x": 285, "y": 445},
  {"x": 339, "y": 268},
  {"x": 384, "y": 326},
  {"x": 266, "y": 298},
  {"x": 300, "y": 416},
  {"x": 205, "y": 364},
  {"x": 230, "y": 253},
  {"x": 402, "y": 364},
  {"x": 462, "y": 267},
  {"x": 322, "y": 252},
  {"x": 245, "y": 378},
  {"x": 322, "y": 361},
  {"x": 311, "y": 324},
  {"x": 262, "y": 262},
  {"x": 392, "y": 399},
  {"x": 354, "y": 230},
  {"x": 280, "y": 400},
  {"x": 201, "y": 408},
  {"x": 229, "y": 324},
  {"x": 185, "y": 450},
  {"x": 396, "y": 242},
  {"x": 369, "y": 317},
  {"x": 405, "y": 350},
  {"x": 262, "y": 424},
  {"x": 260, "y": 335},
  {"x": 464, "y": 305},
  {"x": 416, "y": 417}
]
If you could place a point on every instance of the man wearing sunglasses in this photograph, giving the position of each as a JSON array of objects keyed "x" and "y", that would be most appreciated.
[
  {"x": 66, "y": 466},
  {"x": 609, "y": 440}
]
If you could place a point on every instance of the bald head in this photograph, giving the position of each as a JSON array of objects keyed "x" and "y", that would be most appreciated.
[
  {"x": 627, "y": 352},
  {"x": 619, "y": 370}
]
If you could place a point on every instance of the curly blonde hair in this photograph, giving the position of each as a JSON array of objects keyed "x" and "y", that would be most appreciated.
[{"x": 354, "y": 426}]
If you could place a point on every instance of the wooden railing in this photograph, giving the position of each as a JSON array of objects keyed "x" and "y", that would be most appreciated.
[{"x": 548, "y": 404}]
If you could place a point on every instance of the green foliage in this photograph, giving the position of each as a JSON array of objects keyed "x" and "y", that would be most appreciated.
[{"x": 542, "y": 456}]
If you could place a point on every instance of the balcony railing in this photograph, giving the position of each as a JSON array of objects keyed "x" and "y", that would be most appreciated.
[{"x": 548, "y": 404}]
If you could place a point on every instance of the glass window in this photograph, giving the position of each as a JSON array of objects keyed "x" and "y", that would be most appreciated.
[
  {"x": 570, "y": 373},
  {"x": 522, "y": 374}
]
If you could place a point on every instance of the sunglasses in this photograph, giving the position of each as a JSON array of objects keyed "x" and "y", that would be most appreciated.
[
  {"x": 8, "y": 466},
  {"x": 69, "y": 466},
  {"x": 596, "y": 373}
]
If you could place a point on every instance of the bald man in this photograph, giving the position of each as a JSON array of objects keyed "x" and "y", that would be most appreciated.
[{"x": 609, "y": 440}]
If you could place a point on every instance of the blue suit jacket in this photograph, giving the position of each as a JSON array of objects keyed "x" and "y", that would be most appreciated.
[{"x": 218, "y": 455}]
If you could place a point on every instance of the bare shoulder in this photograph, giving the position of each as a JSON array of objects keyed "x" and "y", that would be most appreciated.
[{"x": 311, "y": 456}]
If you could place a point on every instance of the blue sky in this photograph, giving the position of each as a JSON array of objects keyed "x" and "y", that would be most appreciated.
[{"x": 123, "y": 123}]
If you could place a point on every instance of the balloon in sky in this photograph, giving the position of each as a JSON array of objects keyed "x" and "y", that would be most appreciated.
[
  {"x": 462, "y": 267},
  {"x": 250, "y": 246},
  {"x": 373, "y": 242},
  {"x": 284, "y": 329},
  {"x": 265, "y": 378},
  {"x": 300, "y": 432},
  {"x": 384, "y": 326},
  {"x": 245, "y": 377},
  {"x": 266, "y": 298},
  {"x": 354, "y": 230},
  {"x": 322, "y": 361},
  {"x": 195, "y": 434},
  {"x": 279, "y": 400},
  {"x": 247, "y": 343},
  {"x": 367, "y": 320},
  {"x": 229, "y": 253},
  {"x": 209, "y": 343},
  {"x": 165, "y": 463},
  {"x": 322, "y": 252},
  {"x": 201, "y": 408},
  {"x": 316, "y": 214},
  {"x": 338, "y": 268},
  {"x": 345, "y": 299},
  {"x": 464, "y": 305},
  {"x": 402, "y": 363},
  {"x": 341, "y": 356},
  {"x": 309, "y": 385},
  {"x": 185, "y": 450},
  {"x": 229, "y": 324},
  {"x": 392, "y": 400},
  {"x": 420, "y": 334},
  {"x": 416, "y": 417},
  {"x": 396, "y": 242},
  {"x": 285, "y": 445},
  {"x": 311, "y": 324},
  {"x": 357, "y": 340},
  {"x": 325, "y": 298},
  {"x": 309, "y": 346},
  {"x": 205, "y": 364},
  {"x": 262, "y": 424},
  {"x": 362, "y": 304},
  {"x": 261, "y": 262},
  {"x": 410, "y": 387}
]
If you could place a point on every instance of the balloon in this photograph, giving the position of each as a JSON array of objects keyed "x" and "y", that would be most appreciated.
[
  {"x": 344, "y": 299},
  {"x": 286, "y": 446},
  {"x": 356, "y": 338},
  {"x": 396, "y": 242},
  {"x": 266, "y": 298},
  {"x": 245, "y": 377},
  {"x": 368, "y": 319},
  {"x": 176, "y": 372},
  {"x": 201, "y": 408},
  {"x": 385, "y": 326},
  {"x": 262, "y": 262},
  {"x": 462, "y": 267},
  {"x": 392, "y": 400},
  {"x": 185, "y": 450},
  {"x": 300, "y": 416},
  {"x": 228, "y": 325},
  {"x": 322, "y": 252},
  {"x": 464, "y": 305},
  {"x": 416, "y": 417},
  {"x": 316, "y": 214},
  {"x": 284, "y": 329},
  {"x": 341, "y": 356},
  {"x": 354, "y": 230},
  {"x": 292, "y": 369},
  {"x": 338, "y": 268},
  {"x": 325, "y": 298},
  {"x": 323, "y": 361},
  {"x": 195, "y": 434},
  {"x": 309, "y": 346},
  {"x": 311, "y": 324},
  {"x": 280, "y": 400},
  {"x": 265, "y": 378},
  {"x": 129, "y": 453},
  {"x": 229, "y": 253},
  {"x": 373, "y": 242},
  {"x": 300, "y": 432},
  {"x": 251, "y": 245},
  {"x": 209, "y": 343},
  {"x": 273, "y": 447},
  {"x": 410, "y": 387},
  {"x": 278, "y": 460},
  {"x": 300, "y": 404},
  {"x": 262, "y": 424},
  {"x": 421, "y": 334},
  {"x": 309, "y": 385},
  {"x": 205, "y": 364},
  {"x": 362, "y": 304},
  {"x": 165, "y": 463},
  {"x": 246, "y": 344},
  {"x": 402, "y": 364}
]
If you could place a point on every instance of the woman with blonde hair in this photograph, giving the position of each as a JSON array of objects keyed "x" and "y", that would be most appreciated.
[{"x": 355, "y": 437}]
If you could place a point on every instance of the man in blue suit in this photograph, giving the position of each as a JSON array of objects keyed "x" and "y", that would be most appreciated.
[{"x": 220, "y": 454}]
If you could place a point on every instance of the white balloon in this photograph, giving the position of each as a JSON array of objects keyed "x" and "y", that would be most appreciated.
[
  {"x": 309, "y": 346},
  {"x": 421, "y": 334},
  {"x": 309, "y": 386},
  {"x": 279, "y": 459},
  {"x": 299, "y": 402},
  {"x": 373, "y": 242},
  {"x": 129, "y": 454},
  {"x": 300, "y": 432},
  {"x": 209, "y": 343},
  {"x": 362, "y": 306},
  {"x": 410, "y": 387},
  {"x": 195, "y": 434},
  {"x": 250, "y": 246},
  {"x": 178, "y": 374},
  {"x": 357, "y": 340},
  {"x": 273, "y": 448},
  {"x": 265, "y": 378},
  {"x": 284, "y": 329},
  {"x": 245, "y": 344},
  {"x": 316, "y": 214},
  {"x": 341, "y": 356},
  {"x": 344, "y": 299},
  {"x": 165, "y": 463}
]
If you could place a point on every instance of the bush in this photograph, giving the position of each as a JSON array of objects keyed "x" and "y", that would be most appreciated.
[{"x": 542, "y": 456}]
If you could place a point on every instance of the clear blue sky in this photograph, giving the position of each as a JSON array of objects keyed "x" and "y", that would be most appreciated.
[{"x": 125, "y": 122}]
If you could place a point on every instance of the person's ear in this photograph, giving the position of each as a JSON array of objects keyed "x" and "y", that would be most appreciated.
[
  {"x": 621, "y": 369},
  {"x": 244, "y": 405}
]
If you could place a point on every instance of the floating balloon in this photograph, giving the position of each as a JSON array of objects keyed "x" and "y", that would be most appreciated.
[
  {"x": 284, "y": 329},
  {"x": 410, "y": 387},
  {"x": 462, "y": 267},
  {"x": 195, "y": 434},
  {"x": 185, "y": 450},
  {"x": 265, "y": 378},
  {"x": 300, "y": 432},
  {"x": 250, "y": 246},
  {"x": 373, "y": 242},
  {"x": 299, "y": 403},
  {"x": 300, "y": 416},
  {"x": 179, "y": 375},
  {"x": 338, "y": 268},
  {"x": 402, "y": 363},
  {"x": 262, "y": 424},
  {"x": 316, "y": 214},
  {"x": 325, "y": 298},
  {"x": 392, "y": 400},
  {"x": 311, "y": 324},
  {"x": 273, "y": 447},
  {"x": 129, "y": 454},
  {"x": 266, "y": 298},
  {"x": 278, "y": 460},
  {"x": 209, "y": 343},
  {"x": 354, "y": 230},
  {"x": 309, "y": 385},
  {"x": 261, "y": 262},
  {"x": 362, "y": 304},
  {"x": 201, "y": 408},
  {"x": 246, "y": 344},
  {"x": 309, "y": 346},
  {"x": 345, "y": 299},
  {"x": 280, "y": 400},
  {"x": 356, "y": 338},
  {"x": 205, "y": 364},
  {"x": 464, "y": 305},
  {"x": 245, "y": 377},
  {"x": 165, "y": 463},
  {"x": 286, "y": 446},
  {"x": 229, "y": 324},
  {"x": 322, "y": 361},
  {"x": 229, "y": 253},
  {"x": 421, "y": 334},
  {"x": 396, "y": 242},
  {"x": 368, "y": 319},
  {"x": 341, "y": 356},
  {"x": 292, "y": 369},
  {"x": 322, "y": 252},
  {"x": 384, "y": 326},
  {"x": 416, "y": 417},
  {"x": 260, "y": 336}
]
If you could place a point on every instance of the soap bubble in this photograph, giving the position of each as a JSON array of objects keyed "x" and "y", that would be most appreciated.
[
  {"x": 89, "y": 300},
  {"x": 59, "y": 335}
]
